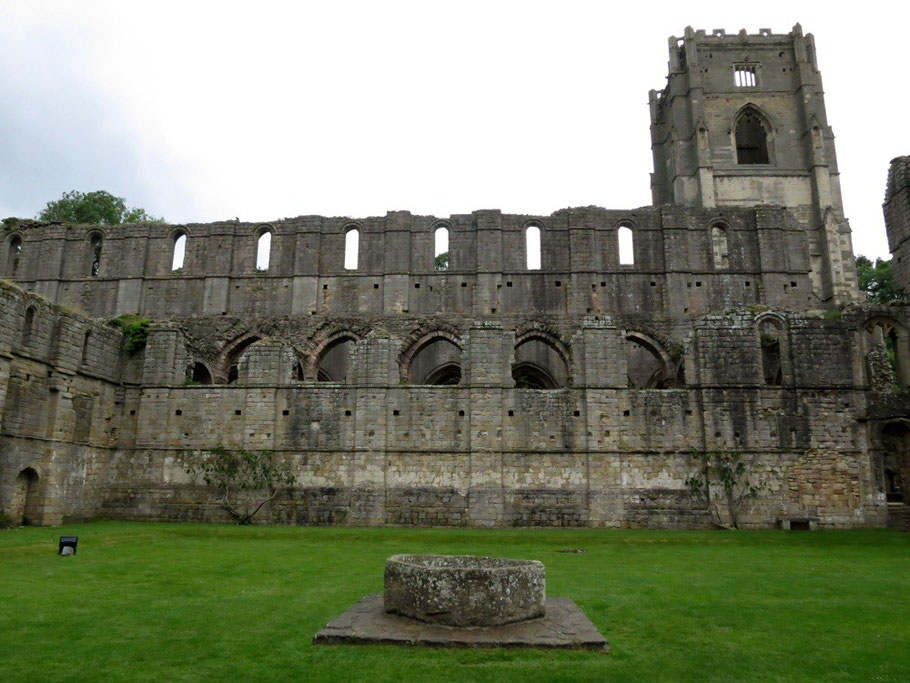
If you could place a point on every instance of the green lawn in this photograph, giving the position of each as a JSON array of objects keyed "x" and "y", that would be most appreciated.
[{"x": 169, "y": 602}]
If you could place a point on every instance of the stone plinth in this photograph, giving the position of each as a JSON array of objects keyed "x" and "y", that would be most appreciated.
[
  {"x": 564, "y": 626},
  {"x": 463, "y": 590}
]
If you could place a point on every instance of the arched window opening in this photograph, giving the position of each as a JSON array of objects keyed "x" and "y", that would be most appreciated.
[
  {"x": 441, "y": 248},
  {"x": 751, "y": 139},
  {"x": 887, "y": 354},
  {"x": 719, "y": 247},
  {"x": 334, "y": 362},
  {"x": 298, "y": 371},
  {"x": 179, "y": 251},
  {"x": 626, "y": 246},
  {"x": 538, "y": 365},
  {"x": 95, "y": 244},
  {"x": 24, "y": 506},
  {"x": 86, "y": 341},
  {"x": 228, "y": 369},
  {"x": 896, "y": 462},
  {"x": 13, "y": 257},
  {"x": 772, "y": 369},
  {"x": 201, "y": 374},
  {"x": 532, "y": 376},
  {"x": 351, "y": 249},
  {"x": 437, "y": 362},
  {"x": 532, "y": 247},
  {"x": 263, "y": 250},
  {"x": 28, "y": 327},
  {"x": 646, "y": 369}
]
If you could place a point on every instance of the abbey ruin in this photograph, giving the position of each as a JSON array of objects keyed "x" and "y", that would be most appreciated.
[{"x": 486, "y": 389}]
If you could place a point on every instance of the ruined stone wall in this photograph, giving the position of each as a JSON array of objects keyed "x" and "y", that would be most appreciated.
[
  {"x": 675, "y": 271},
  {"x": 897, "y": 219},
  {"x": 59, "y": 405},
  {"x": 372, "y": 450}
]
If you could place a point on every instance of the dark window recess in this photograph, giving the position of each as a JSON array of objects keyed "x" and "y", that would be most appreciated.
[
  {"x": 347, "y": 413},
  {"x": 460, "y": 413},
  {"x": 577, "y": 413},
  {"x": 395, "y": 412},
  {"x": 178, "y": 412},
  {"x": 285, "y": 412},
  {"x": 237, "y": 412},
  {"x": 416, "y": 285},
  {"x": 464, "y": 284},
  {"x": 625, "y": 413},
  {"x": 375, "y": 286},
  {"x": 751, "y": 139},
  {"x": 558, "y": 283},
  {"x": 508, "y": 284},
  {"x": 511, "y": 413}
]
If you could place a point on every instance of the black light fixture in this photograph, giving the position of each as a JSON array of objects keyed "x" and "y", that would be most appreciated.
[{"x": 68, "y": 545}]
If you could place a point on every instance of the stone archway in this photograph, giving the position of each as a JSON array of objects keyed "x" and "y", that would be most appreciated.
[
  {"x": 24, "y": 508},
  {"x": 896, "y": 461}
]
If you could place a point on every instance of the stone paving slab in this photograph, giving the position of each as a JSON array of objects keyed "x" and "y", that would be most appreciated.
[{"x": 367, "y": 623}]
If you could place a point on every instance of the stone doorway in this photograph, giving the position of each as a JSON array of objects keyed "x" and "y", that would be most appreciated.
[
  {"x": 896, "y": 472},
  {"x": 24, "y": 508}
]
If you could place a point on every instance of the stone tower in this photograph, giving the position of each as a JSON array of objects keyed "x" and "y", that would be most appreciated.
[
  {"x": 897, "y": 219},
  {"x": 742, "y": 122}
]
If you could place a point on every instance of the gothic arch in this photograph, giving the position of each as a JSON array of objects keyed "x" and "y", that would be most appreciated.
[
  {"x": 12, "y": 248},
  {"x": 352, "y": 233},
  {"x": 894, "y": 438},
  {"x": 443, "y": 365},
  {"x": 719, "y": 239},
  {"x": 887, "y": 339},
  {"x": 24, "y": 506},
  {"x": 752, "y": 136},
  {"x": 200, "y": 373},
  {"x": 180, "y": 237},
  {"x": 625, "y": 242},
  {"x": 226, "y": 365},
  {"x": 95, "y": 247},
  {"x": 542, "y": 361},
  {"x": 648, "y": 365},
  {"x": 322, "y": 343},
  {"x": 773, "y": 337},
  {"x": 262, "y": 256}
]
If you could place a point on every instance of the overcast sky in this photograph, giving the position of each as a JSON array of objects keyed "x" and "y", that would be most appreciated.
[{"x": 206, "y": 111}]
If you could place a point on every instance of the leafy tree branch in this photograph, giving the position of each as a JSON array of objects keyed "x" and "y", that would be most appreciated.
[{"x": 245, "y": 480}]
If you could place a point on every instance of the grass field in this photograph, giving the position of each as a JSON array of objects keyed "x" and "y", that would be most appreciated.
[{"x": 169, "y": 602}]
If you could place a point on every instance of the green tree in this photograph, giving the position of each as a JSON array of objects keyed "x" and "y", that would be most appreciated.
[
  {"x": 245, "y": 480},
  {"x": 723, "y": 481},
  {"x": 94, "y": 207},
  {"x": 877, "y": 280},
  {"x": 442, "y": 261}
]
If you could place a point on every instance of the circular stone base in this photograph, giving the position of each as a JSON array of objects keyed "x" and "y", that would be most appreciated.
[{"x": 463, "y": 590}]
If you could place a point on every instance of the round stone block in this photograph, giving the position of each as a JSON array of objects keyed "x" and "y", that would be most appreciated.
[{"x": 464, "y": 590}]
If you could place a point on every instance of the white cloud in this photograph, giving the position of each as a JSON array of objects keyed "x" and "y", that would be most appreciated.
[{"x": 205, "y": 111}]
